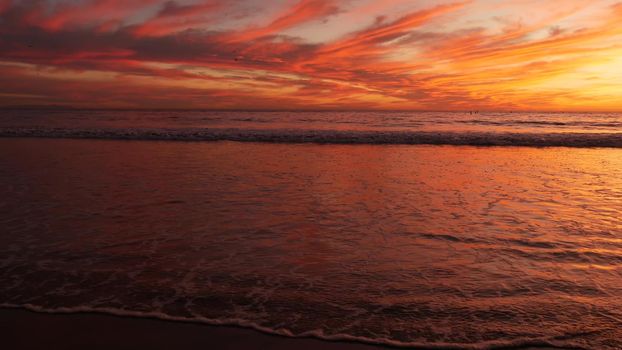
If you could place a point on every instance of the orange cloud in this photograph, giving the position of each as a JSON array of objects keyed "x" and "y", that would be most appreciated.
[
  {"x": 303, "y": 11},
  {"x": 192, "y": 53},
  {"x": 173, "y": 17}
]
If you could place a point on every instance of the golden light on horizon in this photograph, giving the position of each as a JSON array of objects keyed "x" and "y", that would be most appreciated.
[{"x": 489, "y": 55}]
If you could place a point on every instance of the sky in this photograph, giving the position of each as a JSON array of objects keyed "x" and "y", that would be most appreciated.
[{"x": 312, "y": 54}]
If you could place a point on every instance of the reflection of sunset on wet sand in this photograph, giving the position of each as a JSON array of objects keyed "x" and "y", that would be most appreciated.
[
  {"x": 488, "y": 246},
  {"x": 522, "y": 55}
]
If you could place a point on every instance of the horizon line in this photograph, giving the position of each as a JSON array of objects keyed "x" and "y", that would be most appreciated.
[{"x": 70, "y": 108}]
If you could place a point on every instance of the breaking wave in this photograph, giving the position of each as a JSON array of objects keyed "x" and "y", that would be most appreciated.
[{"x": 330, "y": 136}]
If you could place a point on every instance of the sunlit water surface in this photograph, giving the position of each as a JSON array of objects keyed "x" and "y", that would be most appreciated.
[
  {"x": 420, "y": 245},
  {"x": 355, "y": 127}
]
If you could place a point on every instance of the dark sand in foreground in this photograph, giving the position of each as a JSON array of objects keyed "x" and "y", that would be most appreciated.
[{"x": 23, "y": 329}]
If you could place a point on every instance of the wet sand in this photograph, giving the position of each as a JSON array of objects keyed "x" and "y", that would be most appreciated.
[
  {"x": 23, "y": 329},
  {"x": 416, "y": 244}
]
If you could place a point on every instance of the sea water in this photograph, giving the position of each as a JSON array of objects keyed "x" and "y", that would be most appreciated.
[{"x": 440, "y": 246}]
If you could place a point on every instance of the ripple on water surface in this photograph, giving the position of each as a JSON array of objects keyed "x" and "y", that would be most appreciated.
[{"x": 462, "y": 246}]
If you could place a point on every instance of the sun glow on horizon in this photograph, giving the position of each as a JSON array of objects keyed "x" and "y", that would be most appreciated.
[{"x": 304, "y": 54}]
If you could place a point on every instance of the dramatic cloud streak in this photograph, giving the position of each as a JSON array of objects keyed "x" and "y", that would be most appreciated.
[{"x": 515, "y": 54}]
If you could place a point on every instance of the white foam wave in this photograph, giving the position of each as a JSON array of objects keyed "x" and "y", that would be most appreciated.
[
  {"x": 560, "y": 342},
  {"x": 330, "y": 136}
]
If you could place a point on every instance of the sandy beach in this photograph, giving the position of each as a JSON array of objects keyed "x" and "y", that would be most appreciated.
[
  {"x": 422, "y": 245},
  {"x": 23, "y": 329}
]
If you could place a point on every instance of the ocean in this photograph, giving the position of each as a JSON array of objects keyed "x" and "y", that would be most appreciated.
[
  {"x": 374, "y": 127},
  {"x": 423, "y": 229}
]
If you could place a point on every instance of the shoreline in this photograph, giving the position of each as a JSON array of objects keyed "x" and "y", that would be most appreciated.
[
  {"x": 165, "y": 220},
  {"x": 28, "y": 329}
]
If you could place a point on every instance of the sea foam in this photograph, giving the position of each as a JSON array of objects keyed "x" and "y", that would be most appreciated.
[
  {"x": 329, "y": 136},
  {"x": 562, "y": 341}
]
